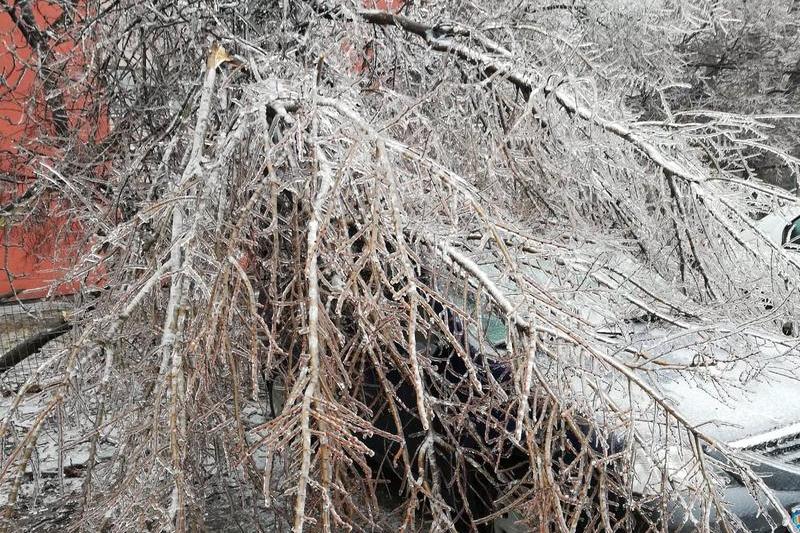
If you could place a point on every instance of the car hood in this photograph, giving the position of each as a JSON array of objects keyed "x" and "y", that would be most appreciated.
[
  {"x": 741, "y": 400},
  {"x": 740, "y": 409},
  {"x": 728, "y": 378}
]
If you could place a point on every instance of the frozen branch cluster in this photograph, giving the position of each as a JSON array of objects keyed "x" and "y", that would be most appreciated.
[{"x": 310, "y": 198}]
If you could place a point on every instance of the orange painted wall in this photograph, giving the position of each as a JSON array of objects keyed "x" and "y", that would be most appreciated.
[
  {"x": 38, "y": 246},
  {"x": 392, "y": 6},
  {"x": 362, "y": 57},
  {"x": 37, "y": 253}
]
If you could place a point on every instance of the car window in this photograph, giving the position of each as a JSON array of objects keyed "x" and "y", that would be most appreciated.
[
  {"x": 493, "y": 328},
  {"x": 792, "y": 234}
]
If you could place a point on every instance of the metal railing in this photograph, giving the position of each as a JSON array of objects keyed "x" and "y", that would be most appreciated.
[{"x": 26, "y": 329}]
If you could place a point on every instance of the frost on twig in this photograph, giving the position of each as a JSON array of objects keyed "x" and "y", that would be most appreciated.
[{"x": 445, "y": 284}]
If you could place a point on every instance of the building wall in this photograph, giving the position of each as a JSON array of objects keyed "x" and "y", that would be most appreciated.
[
  {"x": 46, "y": 101},
  {"x": 42, "y": 109}
]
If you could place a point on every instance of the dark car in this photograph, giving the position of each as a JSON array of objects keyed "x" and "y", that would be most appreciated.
[
  {"x": 773, "y": 456},
  {"x": 470, "y": 492},
  {"x": 470, "y": 487}
]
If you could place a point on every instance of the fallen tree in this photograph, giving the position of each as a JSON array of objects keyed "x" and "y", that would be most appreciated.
[{"x": 278, "y": 212}]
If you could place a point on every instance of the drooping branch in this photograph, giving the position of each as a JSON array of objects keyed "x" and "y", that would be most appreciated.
[{"x": 503, "y": 66}]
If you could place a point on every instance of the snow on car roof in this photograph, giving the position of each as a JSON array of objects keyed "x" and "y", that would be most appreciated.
[{"x": 734, "y": 381}]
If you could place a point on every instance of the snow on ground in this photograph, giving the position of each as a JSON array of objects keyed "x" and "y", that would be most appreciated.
[
  {"x": 48, "y": 499},
  {"x": 47, "y": 493}
]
